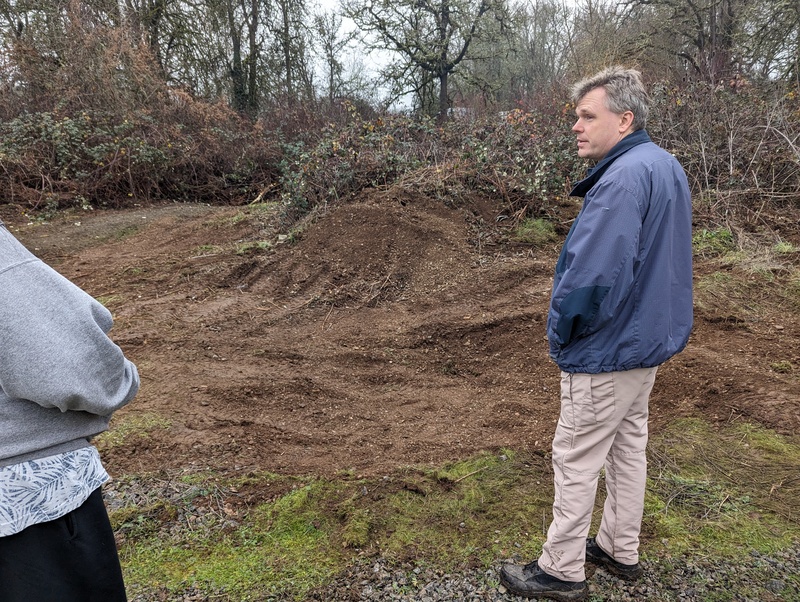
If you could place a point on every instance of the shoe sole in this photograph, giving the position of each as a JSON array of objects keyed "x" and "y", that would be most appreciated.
[
  {"x": 617, "y": 572},
  {"x": 551, "y": 595}
]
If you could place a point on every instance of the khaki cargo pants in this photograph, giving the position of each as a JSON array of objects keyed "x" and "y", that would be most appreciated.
[{"x": 603, "y": 423}]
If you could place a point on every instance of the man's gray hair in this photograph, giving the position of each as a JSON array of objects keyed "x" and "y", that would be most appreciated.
[{"x": 624, "y": 92}]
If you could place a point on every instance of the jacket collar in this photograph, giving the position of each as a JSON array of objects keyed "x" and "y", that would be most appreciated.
[{"x": 593, "y": 174}]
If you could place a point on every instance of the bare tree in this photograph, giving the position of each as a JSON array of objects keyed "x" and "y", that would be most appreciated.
[
  {"x": 604, "y": 33},
  {"x": 332, "y": 43},
  {"x": 243, "y": 24},
  {"x": 770, "y": 39},
  {"x": 545, "y": 35},
  {"x": 146, "y": 19},
  {"x": 254, "y": 52},
  {"x": 431, "y": 37},
  {"x": 699, "y": 33},
  {"x": 527, "y": 55}
]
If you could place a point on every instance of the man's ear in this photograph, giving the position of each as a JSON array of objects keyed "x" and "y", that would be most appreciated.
[{"x": 625, "y": 121}]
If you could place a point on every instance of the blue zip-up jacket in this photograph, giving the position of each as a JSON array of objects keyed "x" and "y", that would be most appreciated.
[{"x": 622, "y": 293}]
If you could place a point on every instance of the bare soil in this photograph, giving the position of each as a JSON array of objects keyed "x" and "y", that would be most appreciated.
[{"x": 392, "y": 331}]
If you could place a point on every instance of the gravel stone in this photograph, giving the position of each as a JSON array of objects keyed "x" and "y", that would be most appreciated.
[{"x": 762, "y": 578}]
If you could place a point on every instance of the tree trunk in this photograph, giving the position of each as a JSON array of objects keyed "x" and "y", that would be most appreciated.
[
  {"x": 444, "y": 30},
  {"x": 239, "y": 93},
  {"x": 252, "y": 62},
  {"x": 444, "y": 102},
  {"x": 288, "y": 64},
  {"x": 153, "y": 26}
]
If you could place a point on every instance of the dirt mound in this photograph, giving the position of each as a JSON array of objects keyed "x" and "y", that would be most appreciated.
[{"x": 385, "y": 333}]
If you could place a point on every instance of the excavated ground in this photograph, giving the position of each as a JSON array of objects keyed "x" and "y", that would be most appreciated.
[{"x": 389, "y": 332}]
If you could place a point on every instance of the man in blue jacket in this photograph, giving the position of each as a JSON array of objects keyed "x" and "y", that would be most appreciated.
[{"x": 621, "y": 305}]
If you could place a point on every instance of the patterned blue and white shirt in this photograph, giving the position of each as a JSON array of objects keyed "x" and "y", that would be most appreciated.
[{"x": 42, "y": 490}]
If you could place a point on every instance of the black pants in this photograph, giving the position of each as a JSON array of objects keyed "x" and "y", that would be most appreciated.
[{"x": 70, "y": 559}]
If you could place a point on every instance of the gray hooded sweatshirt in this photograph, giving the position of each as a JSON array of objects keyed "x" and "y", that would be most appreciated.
[{"x": 61, "y": 377}]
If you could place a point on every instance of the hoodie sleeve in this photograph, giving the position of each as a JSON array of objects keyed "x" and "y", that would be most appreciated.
[
  {"x": 54, "y": 347},
  {"x": 596, "y": 268}
]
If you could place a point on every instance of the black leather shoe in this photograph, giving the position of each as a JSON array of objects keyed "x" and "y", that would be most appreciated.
[
  {"x": 529, "y": 581},
  {"x": 598, "y": 557}
]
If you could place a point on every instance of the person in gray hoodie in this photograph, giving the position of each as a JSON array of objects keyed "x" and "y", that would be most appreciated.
[{"x": 61, "y": 379}]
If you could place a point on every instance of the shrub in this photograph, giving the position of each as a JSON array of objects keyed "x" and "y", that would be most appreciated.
[
  {"x": 189, "y": 151},
  {"x": 347, "y": 158},
  {"x": 736, "y": 141},
  {"x": 92, "y": 122},
  {"x": 524, "y": 158}
]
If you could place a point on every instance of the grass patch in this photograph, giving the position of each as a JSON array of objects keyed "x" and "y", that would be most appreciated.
[
  {"x": 713, "y": 243},
  {"x": 476, "y": 510},
  {"x": 447, "y": 517},
  {"x": 133, "y": 271},
  {"x": 784, "y": 248},
  {"x": 255, "y": 210},
  {"x": 712, "y": 492},
  {"x": 283, "y": 549},
  {"x": 535, "y": 231},
  {"x": 721, "y": 293},
  {"x": 109, "y": 300},
  {"x": 128, "y": 426},
  {"x": 748, "y": 291},
  {"x": 729, "y": 490},
  {"x": 243, "y": 248},
  {"x": 209, "y": 250},
  {"x": 782, "y": 367},
  {"x": 125, "y": 232}
]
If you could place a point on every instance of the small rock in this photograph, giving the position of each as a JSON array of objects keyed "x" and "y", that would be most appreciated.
[{"x": 776, "y": 586}]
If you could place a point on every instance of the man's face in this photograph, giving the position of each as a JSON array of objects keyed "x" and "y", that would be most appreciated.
[{"x": 598, "y": 129}]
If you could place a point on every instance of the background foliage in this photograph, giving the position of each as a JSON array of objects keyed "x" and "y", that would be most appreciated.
[{"x": 107, "y": 104}]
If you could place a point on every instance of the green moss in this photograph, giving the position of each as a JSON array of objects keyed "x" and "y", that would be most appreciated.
[
  {"x": 713, "y": 243},
  {"x": 444, "y": 517},
  {"x": 712, "y": 492},
  {"x": 535, "y": 231},
  {"x": 244, "y": 248},
  {"x": 460, "y": 513},
  {"x": 284, "y": 548},
  {"x": 130, "y": 425},
  {"x": 784, "y": 248},
  {"x": 357, "y": 524}
]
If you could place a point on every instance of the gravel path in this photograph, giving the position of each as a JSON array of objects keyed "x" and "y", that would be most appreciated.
[{"x": 761, "y": 579}]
